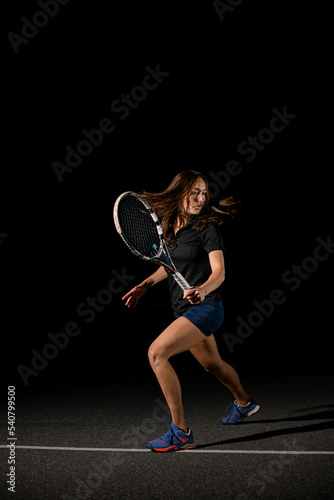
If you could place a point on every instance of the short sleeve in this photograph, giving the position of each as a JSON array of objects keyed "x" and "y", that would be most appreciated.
[{"x": 212, "y": 239}]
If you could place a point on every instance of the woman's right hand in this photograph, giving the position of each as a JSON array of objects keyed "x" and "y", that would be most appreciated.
[{"x": 134, "y": 295}]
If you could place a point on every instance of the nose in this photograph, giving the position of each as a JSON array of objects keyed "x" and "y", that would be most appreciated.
[{"x": 201, "y": 198}]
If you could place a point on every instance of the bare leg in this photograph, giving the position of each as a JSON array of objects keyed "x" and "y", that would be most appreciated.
[
  {"x": 208, "y": 356},
  {"x": 180, "y": 336}
]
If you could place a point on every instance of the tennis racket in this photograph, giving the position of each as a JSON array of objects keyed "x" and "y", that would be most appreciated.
[{"x": 140, "y": 229}]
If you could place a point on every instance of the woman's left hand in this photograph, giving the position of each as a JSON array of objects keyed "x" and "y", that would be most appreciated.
[{"x": 195, "y": 295}]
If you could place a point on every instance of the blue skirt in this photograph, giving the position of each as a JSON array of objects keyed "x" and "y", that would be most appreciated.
[{"x": 207, "y": 317}]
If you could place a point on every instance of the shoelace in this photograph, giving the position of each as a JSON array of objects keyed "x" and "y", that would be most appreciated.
[
  {"x": 168, "y": 437},
  {"x": 234, "y": 410}
]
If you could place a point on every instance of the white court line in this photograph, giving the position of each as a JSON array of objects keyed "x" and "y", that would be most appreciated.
[{"x": 145, "y": 450}]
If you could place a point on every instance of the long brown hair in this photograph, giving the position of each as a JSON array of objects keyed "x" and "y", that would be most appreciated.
[{"x": 168, "y": 205}]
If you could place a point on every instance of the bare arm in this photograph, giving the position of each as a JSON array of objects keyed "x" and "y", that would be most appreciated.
[
  {"x": 156, "y": 277},
  {"x": 198, "y": 293},
  {"x": 138, "y": 291}
]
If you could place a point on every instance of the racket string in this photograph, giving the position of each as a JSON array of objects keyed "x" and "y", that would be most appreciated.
[{"x": 138, "y": 227}]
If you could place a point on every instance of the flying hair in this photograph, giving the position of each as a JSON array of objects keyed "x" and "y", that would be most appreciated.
[{"x": 168, "y": 205}]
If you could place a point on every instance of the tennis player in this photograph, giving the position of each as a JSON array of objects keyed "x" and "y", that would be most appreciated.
[{"x": 190, "y": 228}]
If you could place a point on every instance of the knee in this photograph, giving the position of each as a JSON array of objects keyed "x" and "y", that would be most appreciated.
[
  {"x": 155, "y": 355},
  {"x": 210, "y": 367}
]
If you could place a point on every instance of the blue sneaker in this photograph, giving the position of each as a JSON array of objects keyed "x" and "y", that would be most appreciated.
[
  {"x": 173, "y": 440},
  {"x": 238, "y": 413}
]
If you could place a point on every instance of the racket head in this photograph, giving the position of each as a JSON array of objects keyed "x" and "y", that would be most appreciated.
[{"x": 138, "y": 225}]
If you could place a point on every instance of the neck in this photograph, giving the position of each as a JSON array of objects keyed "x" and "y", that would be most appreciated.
[{"x": 181, "y": 221}]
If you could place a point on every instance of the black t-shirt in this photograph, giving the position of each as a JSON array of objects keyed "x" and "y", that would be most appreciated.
[{"x": 191, "y": 258}]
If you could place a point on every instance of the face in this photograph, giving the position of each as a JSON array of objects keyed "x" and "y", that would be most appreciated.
[{"x": 194, "y": 202}]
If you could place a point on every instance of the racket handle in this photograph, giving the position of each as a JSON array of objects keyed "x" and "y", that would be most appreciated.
[{"x": 181, "y": 281}]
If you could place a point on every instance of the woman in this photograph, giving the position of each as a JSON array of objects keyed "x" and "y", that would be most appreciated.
[{"x": 196, "y": 247}]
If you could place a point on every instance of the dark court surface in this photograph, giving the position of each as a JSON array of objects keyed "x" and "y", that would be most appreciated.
[{"x": 90, "y": 441}]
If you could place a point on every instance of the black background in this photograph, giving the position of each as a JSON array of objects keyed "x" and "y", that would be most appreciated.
[{"x": 224, "y": 79}]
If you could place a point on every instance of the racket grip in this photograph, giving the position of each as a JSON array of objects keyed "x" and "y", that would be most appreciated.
[{"x": 181, "y": 281}]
